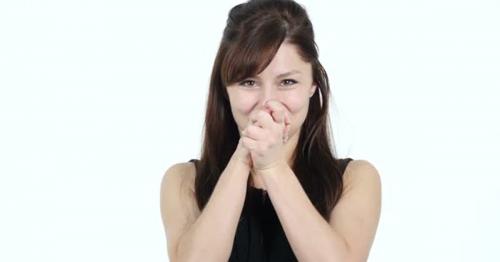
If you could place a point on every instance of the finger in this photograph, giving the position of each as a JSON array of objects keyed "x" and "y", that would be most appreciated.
[
  {"x": 287, "y": 119},
  {"x": 252, "y": 120},
  {"x": 254, "y": 132},
  {"x": 287, "y": 129},
  {"x": 277, "y": 109},
  {"x": 285, "y": 138},
  {"x": 286, "y": 133},
  {"x": 265, "y": 120},
  {"x": 249, "y": 143}
]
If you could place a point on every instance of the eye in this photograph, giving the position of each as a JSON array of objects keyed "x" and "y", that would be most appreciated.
[
  {"x": 247, "y": 83},
  {"x": 289, "y": 81}
]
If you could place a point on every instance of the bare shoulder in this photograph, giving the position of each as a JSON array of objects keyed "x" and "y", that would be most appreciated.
[
  {"x": 178, "y": 185},
  {"x": 179, "y": 175},
  {"x": 178, "y": 204},
  {"x": 360, "y": 171}
]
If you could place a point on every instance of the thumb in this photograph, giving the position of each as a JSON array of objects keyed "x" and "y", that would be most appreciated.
[{"x": 278, "y": 115}]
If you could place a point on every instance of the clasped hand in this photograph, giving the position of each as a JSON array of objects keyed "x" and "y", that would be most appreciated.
[{"x": 265, "y": 136}]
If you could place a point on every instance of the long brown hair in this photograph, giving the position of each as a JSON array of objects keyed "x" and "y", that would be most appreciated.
[{"x": 254, "y": 32}]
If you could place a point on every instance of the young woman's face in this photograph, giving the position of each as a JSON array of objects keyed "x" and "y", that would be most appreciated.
[{"x": 287, "y": 79}]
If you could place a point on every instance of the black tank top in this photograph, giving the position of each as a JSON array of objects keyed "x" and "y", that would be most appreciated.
[{"x": 259, "y": 235}]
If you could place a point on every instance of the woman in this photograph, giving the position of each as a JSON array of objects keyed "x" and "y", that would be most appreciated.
[{"x": 267, "y": 186}]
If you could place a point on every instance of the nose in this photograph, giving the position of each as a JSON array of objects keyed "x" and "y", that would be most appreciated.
[{"x": 268, "y": 93}]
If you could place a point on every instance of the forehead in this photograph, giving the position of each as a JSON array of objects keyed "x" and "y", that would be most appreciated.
[{"x": 287, "y": 58}]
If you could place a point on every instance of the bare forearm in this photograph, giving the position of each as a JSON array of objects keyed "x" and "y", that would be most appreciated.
[
  {"x": 211, "y": 237},
  {"x": 309, "y": 235}
]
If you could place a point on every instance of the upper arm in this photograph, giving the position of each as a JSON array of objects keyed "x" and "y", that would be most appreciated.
[
  {"x": 177, "y": 204},
  {"x": 357, "y": 213}
]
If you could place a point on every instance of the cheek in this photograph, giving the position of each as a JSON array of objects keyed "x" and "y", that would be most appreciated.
[
  {"x": 295, "y": 104},
  {"x": 298, "y": 106},
  {"x": 241, "y": 107}
]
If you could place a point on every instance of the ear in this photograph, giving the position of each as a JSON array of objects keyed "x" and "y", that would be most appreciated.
[{"x": 312, "y": 90}]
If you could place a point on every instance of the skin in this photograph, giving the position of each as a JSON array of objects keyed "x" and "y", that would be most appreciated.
[
  {"x": 266, "y": 109},
  {"x": 269, "y": 111},
  {"x": 270, "y": 106}
]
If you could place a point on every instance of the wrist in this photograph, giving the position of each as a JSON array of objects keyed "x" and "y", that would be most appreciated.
[
  {"x": 275, "y": 167},
  {"x": 240, "y": 164}
]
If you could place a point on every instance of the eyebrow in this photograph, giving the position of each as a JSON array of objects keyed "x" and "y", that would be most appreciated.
[{"x": 285, "y": 74}]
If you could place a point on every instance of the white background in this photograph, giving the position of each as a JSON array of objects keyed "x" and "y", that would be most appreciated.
[{"x": 99, "y": 98}]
